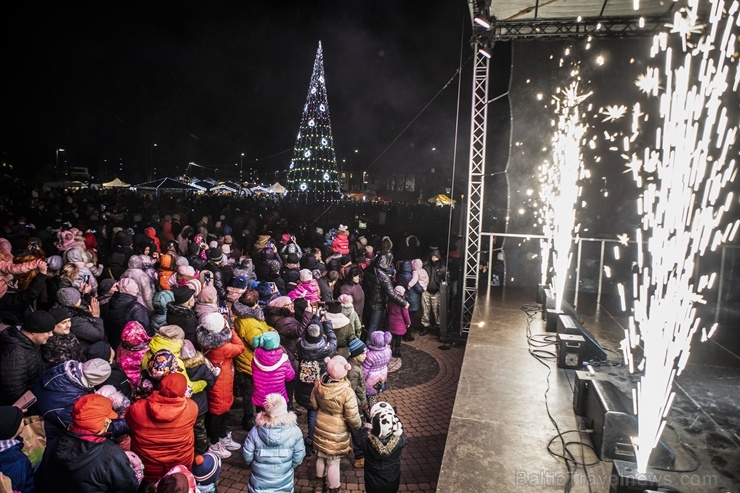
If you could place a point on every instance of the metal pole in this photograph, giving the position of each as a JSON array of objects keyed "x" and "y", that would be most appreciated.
[
  {"x": 601, "y": 274},
  {"x": 721, "y": 284},
  {"x": 578, "y": 273}
]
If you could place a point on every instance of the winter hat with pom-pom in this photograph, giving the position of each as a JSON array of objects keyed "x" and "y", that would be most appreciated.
[
  {"x": 206, "y": 469},
  {"x": 268, "y": 340},
  {"x": 214, "y": 323},
  {"x": 380, "y": 339},
  {"x": 337, "y": 367},
  {"x": 275, "y": 405},
  {"x": 313, "y": 333}
]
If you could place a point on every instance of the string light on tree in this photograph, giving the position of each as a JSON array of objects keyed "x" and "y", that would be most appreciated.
[{"x": 312, "y": 173}]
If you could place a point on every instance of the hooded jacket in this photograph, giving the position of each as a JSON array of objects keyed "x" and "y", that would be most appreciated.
[
  {"x": 270, "y": 370},
  {"x": 354, "y": 320},
  {"x": 314, "y": 351},
  {"x": 344, "y": 331},
  {"x": 121, "y": 309},
  {"x": 161, "y": 433},
  {"x": 158, "y": 318},
  {"x": 221, "y": 349},
  {"x": 56, "y": 393},
  {"x": 288, "y": 327},
  {"x": 273, "y": 449},
  {"x": 337, "y": 413},
  {"x": 248, "y": 324},
  {"x": 72, "y": 464},
  {"x": 134, "y": 344},
  {"x": 165, "y": 270},
  {"x": 151, "y": 233},
  {"x": 85, "y": 327},
  {"x": 136, "y": 273},
  {"x": 340, "y": 244},
  {"x": 375, "y": 366},
  {"x": 398, "y": 319},
  {"x": 21, "y": 365},
  {"x": 382, "y": 461},
  {"x": 174, "y": 346},
  {"x": 308, "y": 289},
  {"x": 185, "y": 318}
]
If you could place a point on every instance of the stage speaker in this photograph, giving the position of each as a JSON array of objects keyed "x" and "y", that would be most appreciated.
[
  {"x": 567, "y": 325},
  {"x": 626, "y": 479},
  {"x": 551, "y": 319},
  {"x": 571, "y": 350},
  {"x": 548, "y": 301},
  {"x": 609, "y": 414},
  {"x": 592, "y": 350},
  {"x": 580, "y": 389}
]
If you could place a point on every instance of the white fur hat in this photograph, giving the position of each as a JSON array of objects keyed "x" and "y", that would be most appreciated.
[
  {"x": 275, "y": 405},
  {"x": 214, "y": 322}
]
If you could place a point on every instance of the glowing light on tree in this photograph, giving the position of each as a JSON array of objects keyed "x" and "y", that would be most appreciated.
[
  {"x": 682, "y": 206},
  {"x": 312, "y": 174}
]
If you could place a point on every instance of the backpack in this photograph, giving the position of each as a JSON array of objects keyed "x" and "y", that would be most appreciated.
[{"x": 309, "y": 371}]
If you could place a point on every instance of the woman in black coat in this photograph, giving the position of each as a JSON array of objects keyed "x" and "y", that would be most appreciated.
[{"x": 121, "y": 309}]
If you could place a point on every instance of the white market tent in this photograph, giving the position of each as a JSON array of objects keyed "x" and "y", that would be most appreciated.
[
  {"x": 277, "y": 188},
  {"x": 117, "y": 183}
]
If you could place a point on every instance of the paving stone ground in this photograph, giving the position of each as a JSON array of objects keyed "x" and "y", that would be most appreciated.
[{"x": 422, "y": 388}]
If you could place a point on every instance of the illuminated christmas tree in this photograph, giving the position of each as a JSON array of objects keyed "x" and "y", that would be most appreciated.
[{"x": 312, "y": 174}]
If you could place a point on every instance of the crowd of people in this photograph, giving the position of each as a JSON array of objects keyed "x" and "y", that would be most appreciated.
[{"x": 127, "y": 320}]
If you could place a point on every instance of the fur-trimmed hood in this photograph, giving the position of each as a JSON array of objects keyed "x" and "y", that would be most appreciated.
[
  {"x": 208, "y": 340},
  {"x": 196, "y": 360}
]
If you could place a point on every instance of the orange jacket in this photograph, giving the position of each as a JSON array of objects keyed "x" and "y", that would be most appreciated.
[
  {"x": 221, "y": 395},
  {"x": 162, "y": 433},
  {"x": 165, "y": 271}
]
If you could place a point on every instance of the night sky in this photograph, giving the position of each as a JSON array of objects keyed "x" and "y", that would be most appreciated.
[{"x": 207, "y": 81}]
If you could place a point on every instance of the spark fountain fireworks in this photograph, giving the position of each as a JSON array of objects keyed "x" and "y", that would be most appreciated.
[
  {"x": 560, "y": 189},
  {"x": 682, "y": 206}
]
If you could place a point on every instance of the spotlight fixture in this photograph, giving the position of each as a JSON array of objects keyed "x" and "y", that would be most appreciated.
[
  {"x": 485, "y": 51},
  {"x": 482, "y": 21}
]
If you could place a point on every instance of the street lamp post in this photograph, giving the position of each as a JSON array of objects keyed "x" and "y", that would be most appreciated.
[
  {"x": 57, "y": 162},
  {"x": 241, "y": 168}
]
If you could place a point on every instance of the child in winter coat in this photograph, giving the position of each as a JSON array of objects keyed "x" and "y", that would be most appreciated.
[
  {"x": 271, "y": 368},
  {"x": 306, "y": 288},
  {"x": 220, "y": 345},
  {"x": 348, "y": 311},
  {"x": 340, "y": 243},
  {"x": 171, "y": 338},
  {"x": 337, "y": 414},
  {"x": 383, "y": 444},
  {"x": 13, "y": 462},
  {"x": 206, "y": 470},
  {"x": 134, "y": 344},
  {"x": 399, "y": 321},
  {"x": 417, "y": 285},
  {"x": 357, "y": 354},
  {"x": 165, "y": 269},
  {"x": 317, "y": 342},
  {"x": 274, "y": 447},
  {"x": 375, "y": 365},
  {"x": 197, "y": 369}
]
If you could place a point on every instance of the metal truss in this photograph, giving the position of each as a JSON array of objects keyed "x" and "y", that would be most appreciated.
[
  {"x": 573, "y": 28},
  {"x": 476, "y": 174}
]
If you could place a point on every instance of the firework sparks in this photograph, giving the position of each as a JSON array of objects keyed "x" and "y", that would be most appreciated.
[
  {"x": 613, "y": 112},
  {"x": 649, "y": 82},
  {"x": 682, "y": 209},
  {"x": 560, "y": 201}
]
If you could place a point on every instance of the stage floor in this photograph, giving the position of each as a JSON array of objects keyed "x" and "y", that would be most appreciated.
[{"x": 510, "y": 405}]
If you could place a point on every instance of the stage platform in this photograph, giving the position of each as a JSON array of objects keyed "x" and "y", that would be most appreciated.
[{"x": 509, "y": 405}]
